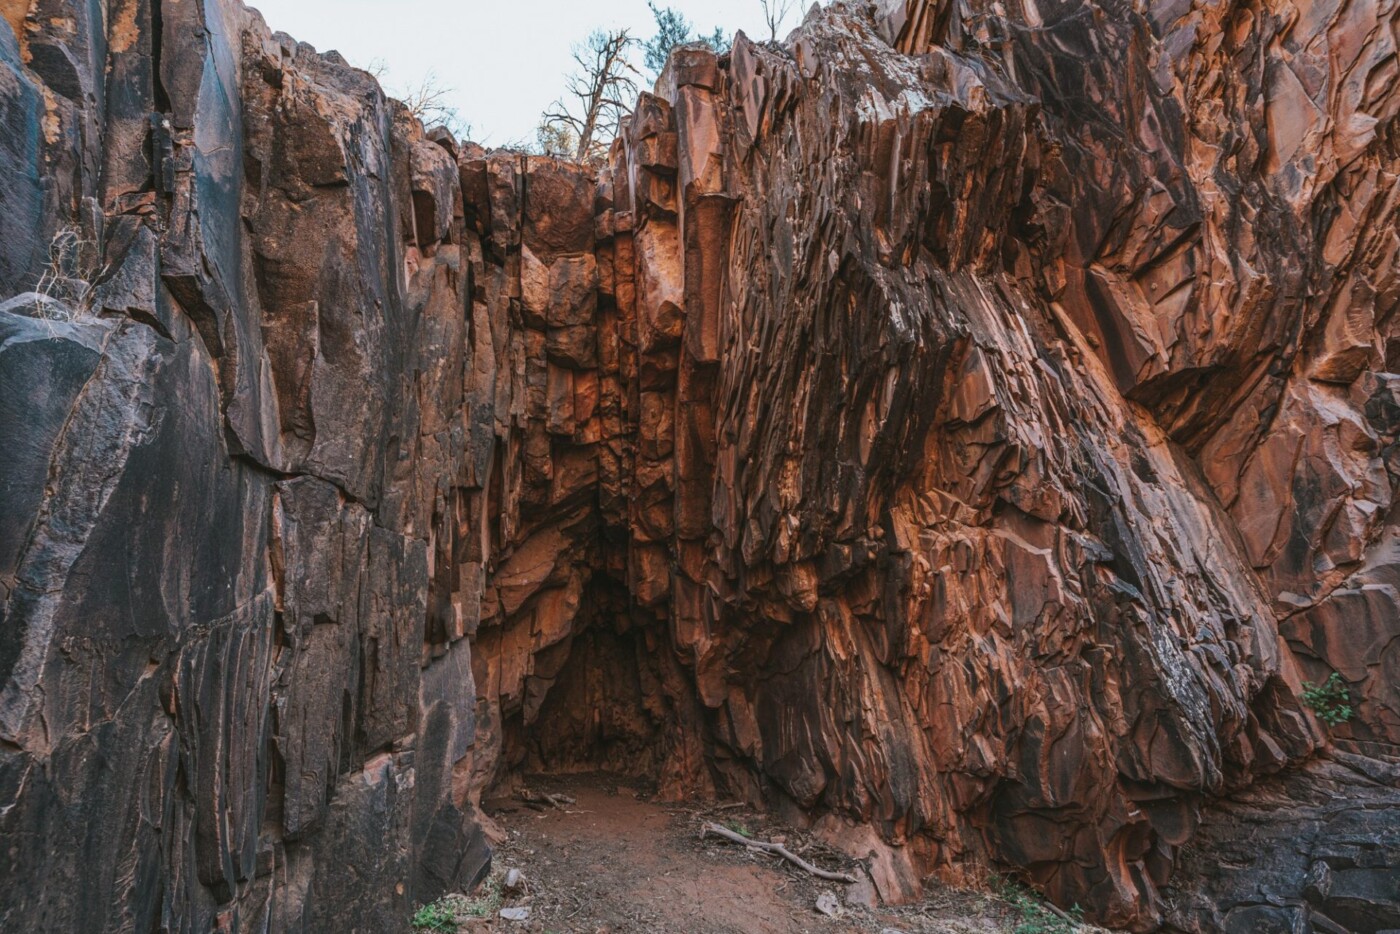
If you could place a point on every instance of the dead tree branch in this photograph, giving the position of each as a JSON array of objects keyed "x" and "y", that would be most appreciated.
[
  {"x": 598, "y": 96},
  {"x": 774, "y": 13},
  {"x": 777, "y": 849}
]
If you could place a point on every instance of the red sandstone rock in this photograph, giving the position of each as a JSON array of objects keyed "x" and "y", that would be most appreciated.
[{"x": 961, "y": 429}]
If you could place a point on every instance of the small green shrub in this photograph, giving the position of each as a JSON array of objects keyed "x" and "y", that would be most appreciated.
[
  {"x": 1032, "y": 915},
  {"x": 449, "y": 913},
  {"x": 438, "y": 917},
  {"x": 486, "y": 902},
  {"x": 1331, "y": 700}
]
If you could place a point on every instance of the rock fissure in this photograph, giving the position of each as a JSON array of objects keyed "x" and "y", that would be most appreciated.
[{"x": 960, "y": 429}]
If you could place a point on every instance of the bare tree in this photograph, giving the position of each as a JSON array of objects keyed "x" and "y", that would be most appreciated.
[
  {"x": 599, "y": 95},
  {"x": 774, "y": 13},
  {"x": 429, "y": 102}
]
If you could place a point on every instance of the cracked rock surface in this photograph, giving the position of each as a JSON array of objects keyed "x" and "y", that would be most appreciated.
[{"x": 961, "y": 429}]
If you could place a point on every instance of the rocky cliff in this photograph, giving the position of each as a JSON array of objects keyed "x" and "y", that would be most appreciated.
[{"x": 963, "y": 428}]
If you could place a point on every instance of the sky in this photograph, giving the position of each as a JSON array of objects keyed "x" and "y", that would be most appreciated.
[{"x": 505, "y": 61}]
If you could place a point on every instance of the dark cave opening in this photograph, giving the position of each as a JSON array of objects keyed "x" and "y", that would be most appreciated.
[{"x": 601, "y": 699}]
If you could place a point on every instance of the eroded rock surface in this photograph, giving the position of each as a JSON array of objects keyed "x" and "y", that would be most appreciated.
[
  {"x": 961, "y": 427},
  {"x": 1331, "y": 825},
  {"x": 228, "y": 699}
]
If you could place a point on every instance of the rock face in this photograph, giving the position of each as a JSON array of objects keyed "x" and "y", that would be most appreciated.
[
  {"x": 963, "y": 428},
  {"x": 1313, "y": 850},
  {"x": 229, "y": 699}
]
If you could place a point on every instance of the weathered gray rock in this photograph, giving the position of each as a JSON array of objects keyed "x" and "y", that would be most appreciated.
[
  {"x": 225, "y": 469},
  {"x": 1312, "y": 850}
]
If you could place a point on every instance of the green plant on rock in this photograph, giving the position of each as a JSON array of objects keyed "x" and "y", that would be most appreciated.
[{"x": 1331, "y": 700}]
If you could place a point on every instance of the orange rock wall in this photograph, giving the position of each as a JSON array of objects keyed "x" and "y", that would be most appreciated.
[
  {"x": 972, "y": 466},
  {"x": 961, "y": 428}
]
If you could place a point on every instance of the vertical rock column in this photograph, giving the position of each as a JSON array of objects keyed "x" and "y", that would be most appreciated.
[{"x": 693, "y": 82}]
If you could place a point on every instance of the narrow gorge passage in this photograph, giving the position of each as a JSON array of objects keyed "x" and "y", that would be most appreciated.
[{"x": 965, "y": 430}]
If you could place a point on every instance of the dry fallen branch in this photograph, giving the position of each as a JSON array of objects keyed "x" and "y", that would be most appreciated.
[
  {"x": 65, "y": 286},
  {"x": 1061, "y": 914},
  {"x": 536, "y": 799},
  {"x": 777, "y": 849}
]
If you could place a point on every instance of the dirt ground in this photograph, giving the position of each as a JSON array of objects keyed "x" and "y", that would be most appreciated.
[{"x": 611, "y": 860}]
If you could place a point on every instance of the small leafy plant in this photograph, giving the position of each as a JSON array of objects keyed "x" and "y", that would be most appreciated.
[
  {"x": 1331, "y": 700},
  {"x": 449, "y": 913},
  {"x": 485, "y": 903},
  {"x": 438, "y": 917},
  {"x": 1033, "y": 916}
]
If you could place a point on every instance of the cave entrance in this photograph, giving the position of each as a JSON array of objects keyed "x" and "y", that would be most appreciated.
[{"x": 603, "y": 699}]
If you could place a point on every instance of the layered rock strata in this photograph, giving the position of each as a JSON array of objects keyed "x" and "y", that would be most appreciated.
[{"x": 961, "y": 428}]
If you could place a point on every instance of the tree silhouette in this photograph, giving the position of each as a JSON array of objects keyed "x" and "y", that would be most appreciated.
[
  {"x": 774, "y": 12},
  {"x": 597, "y": 97}
]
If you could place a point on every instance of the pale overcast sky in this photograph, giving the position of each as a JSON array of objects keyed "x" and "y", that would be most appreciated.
[{"x": 505, "y": 59}]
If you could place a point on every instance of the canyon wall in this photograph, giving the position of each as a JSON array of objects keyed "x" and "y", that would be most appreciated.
[
  {"x": 230, "y": 701},
  {"x": 960, "y": 428}
]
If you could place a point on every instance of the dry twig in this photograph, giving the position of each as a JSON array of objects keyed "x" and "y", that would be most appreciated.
[{"x": 774, "y": 13}]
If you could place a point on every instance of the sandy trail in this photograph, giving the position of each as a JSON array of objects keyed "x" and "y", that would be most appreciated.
[{"x": 615, "y": 861}]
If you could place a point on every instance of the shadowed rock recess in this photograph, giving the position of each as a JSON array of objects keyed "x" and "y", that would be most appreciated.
[{"x": 961, "y": 428}]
